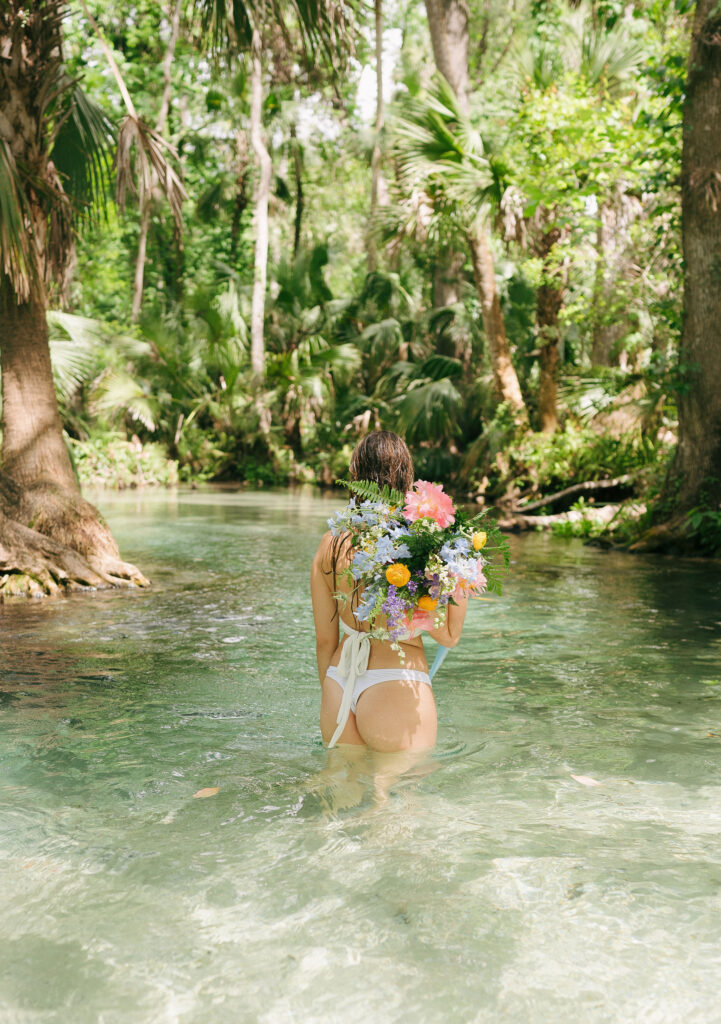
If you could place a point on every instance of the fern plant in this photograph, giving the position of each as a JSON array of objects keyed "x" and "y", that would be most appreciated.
[{"x": 368, "y": 490}]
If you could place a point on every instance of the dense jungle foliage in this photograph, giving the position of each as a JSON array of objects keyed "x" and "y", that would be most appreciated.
[{"x": 487, "y": 261}]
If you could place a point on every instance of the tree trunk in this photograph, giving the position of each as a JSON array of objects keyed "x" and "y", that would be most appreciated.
[
  {"x": 614, "y": 265},
  {"x": 68, "y": 547},
  {"x": 379, "y": 189},
  {"x": 241, "y": 191},
  {"x": 694, "y": 479},
  {"x": 504, "y": 374},
  {"x": 33, "y": 449},
  {"x": 257, "y": 314},
  {"x": 50, "y": 538},
  {"x": 448, "y": 26},
  {"x": 446, "y": 279},
  {"x": 139, "y": 279},
  {"x": 299, "y": 201},
  {"x": 698, "y": 458},
  {"x": 549, "y": 302},
  {"x": 147, "y": 200}
]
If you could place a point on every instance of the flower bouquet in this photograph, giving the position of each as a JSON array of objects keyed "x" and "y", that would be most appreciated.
[{"x": 412, "y": 555}]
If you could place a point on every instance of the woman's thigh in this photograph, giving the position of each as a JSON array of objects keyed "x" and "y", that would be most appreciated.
[
  {"x": 397, "y": 715},
  {"x": 329, "y": 705}
]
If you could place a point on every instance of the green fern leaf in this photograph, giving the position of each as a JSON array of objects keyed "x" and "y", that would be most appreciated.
[{"x": 368, "y": 490}]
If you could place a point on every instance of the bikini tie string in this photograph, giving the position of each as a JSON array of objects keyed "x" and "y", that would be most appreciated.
[{"x": 353, "y": 663}]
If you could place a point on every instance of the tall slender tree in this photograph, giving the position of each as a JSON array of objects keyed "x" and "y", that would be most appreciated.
[
  {"x": 448, "y": 26},
  {"x": 379, "y": 191},
  {"x": 262, "y": 193},
  {"x": 146, "y": 205}
]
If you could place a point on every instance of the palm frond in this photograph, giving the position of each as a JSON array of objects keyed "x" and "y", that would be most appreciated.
[
  {"x": 141, "y": 160},
  {"x": 230, "y": 24},
  {"x": 440, "y": 151},
  {"x": 428, "y": 410},
  {"x": 18, "y": 256},
  {"x": 82, "y": 152},
  {"x": 603, "y": 56},
  {"x": 117, "y": 392}
]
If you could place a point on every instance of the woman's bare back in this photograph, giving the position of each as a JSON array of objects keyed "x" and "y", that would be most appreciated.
[{"x": 390, "y": 714}]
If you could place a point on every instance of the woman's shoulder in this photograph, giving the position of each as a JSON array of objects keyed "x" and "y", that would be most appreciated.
[{"x": 333, "y": 551}]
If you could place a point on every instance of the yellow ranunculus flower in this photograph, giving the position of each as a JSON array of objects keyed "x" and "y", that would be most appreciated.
[
  {"x": 398, "y": 574},
  {"x": 479, "y": 540},
  {"x": 427, "y": 603}
]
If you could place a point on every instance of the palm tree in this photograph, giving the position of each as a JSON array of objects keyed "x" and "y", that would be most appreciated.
[
  {"x": 440, "y": 151},
  {"x": 235, "y": 26},
  {"x": 55, "y": 151}
]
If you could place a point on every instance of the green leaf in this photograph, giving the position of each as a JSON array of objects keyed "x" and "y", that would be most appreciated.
[{"x": 368, "y": 490}]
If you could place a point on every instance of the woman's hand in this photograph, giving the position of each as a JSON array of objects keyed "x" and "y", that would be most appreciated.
[{"x": 450, "y": 632}]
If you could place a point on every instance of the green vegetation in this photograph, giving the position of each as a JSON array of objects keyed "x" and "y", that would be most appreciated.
[{"x": 251, "y": 255}]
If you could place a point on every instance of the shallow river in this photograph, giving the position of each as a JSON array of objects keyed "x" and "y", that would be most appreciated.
[{"x": 556, "y": 859}]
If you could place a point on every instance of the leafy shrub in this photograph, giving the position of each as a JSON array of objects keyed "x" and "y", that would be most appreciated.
[
  {"x": 109, "y": 460},
  {"x": 550, "y": 462}
]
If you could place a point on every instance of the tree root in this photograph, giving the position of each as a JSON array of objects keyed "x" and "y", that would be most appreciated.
[{"x": 53, "y": 541}]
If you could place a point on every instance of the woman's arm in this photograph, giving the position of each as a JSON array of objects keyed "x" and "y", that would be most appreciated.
[
  {"x": 324, "y": 608},
  {"x": 450, "y": 632}
]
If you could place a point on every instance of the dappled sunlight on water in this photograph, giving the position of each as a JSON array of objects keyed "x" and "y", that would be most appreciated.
[{"x": 555, "y": 858}]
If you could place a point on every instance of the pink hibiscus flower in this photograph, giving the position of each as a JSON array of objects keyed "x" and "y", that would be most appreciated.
[{"x": 427, "y": 500}]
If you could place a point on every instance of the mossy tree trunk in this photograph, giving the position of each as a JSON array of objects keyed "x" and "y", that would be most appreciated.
[
  {"x": 448, "y": 27},
  {"x": 549, "y": 302},
  {"x": 695, "y": 476},
  {"x": 50, "y": 538},
  {"x": 698, "y": 460},
  {"x": 505, "y": 378}
]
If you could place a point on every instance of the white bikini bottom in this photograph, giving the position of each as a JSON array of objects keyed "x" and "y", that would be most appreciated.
[{"x": 371, "y": 676}]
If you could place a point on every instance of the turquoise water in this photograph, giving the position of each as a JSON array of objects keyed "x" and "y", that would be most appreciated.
[{"x": 483, "y": 884}]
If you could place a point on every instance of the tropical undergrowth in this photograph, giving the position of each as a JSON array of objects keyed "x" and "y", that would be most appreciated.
[{"x": 173, "y": 398}]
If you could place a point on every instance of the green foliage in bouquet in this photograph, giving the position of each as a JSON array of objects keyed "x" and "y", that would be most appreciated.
[{"x": 413, "y": 554}]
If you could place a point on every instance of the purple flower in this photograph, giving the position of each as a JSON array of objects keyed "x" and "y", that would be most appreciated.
[{"x": 394, "y": 607}]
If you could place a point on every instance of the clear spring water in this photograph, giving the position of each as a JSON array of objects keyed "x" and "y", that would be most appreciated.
[{"x": 483, "y": 884}]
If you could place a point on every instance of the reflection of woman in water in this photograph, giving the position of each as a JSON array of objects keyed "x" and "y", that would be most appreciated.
[{"x": 388, "y": 703}]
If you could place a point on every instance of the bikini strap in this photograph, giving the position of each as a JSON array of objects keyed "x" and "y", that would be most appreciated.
[{"x": 353, "y": 663}]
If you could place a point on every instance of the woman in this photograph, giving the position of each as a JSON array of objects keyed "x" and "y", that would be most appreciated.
[{"x": 390, "y": 705}]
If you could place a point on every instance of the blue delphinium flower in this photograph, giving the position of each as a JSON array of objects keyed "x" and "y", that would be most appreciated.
[
  {"x": 365, "y": 607},
  {"x": 452, "y": 548},
  {"x": 362, "y": 562},
  {"x": 386, "y": 551}
]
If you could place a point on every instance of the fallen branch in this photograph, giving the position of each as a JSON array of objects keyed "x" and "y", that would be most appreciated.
[{"x": 589, "y": 487}]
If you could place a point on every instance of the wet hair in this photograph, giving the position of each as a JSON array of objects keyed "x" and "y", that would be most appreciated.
[{"x": 382, "y": 457}]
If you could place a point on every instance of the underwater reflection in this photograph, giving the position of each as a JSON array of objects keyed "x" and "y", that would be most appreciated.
[{"x": 357, "y": 777}]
